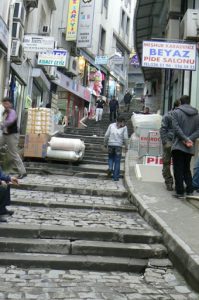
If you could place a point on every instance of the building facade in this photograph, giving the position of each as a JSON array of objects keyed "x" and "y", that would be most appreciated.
[
  {"x": 31, "y": 29},
  {"x": 172, "y": 21}
]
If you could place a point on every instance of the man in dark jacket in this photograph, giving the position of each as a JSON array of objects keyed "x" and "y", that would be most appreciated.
[
  {"x": 10, "y": 135},
  {"x": 5, "y": 181},
  {"x": 113, "y": 106},
  {"x": 166, "y": 133},
  {"x": 186, "y": 131},
  {"x": 127, "y": 100}
]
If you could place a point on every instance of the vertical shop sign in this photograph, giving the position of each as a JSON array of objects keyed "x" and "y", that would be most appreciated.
[
  {"x": 85, "y": 25},
  {"x": 72, "y": 21}
]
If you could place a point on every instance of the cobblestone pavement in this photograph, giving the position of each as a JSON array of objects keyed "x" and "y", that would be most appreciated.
[
  {"x": 72, "y": 181},
  {"x": 47, "y": 197},
  {"x": 72, "y": 217},
  {"x": 40, "y": 284}
]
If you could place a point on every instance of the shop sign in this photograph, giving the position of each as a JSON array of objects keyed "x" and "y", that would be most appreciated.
[
  {"x": 85, "y": 25},
  {"x": 117, "y": 60},
  {"x": 72, "y": 86},
  {"x": 55, "y": 58},
  {"x": 72, "y": 21},
  {"x": 38, "y": 43},
  {"x": 101, "y": 60},
  {"x": 153, "y": 160},
  {"x": 168, "y": 55},
  {"x": 3, "y": 33}
]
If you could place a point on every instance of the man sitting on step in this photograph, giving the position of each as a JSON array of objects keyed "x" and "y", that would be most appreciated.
[{"x": 5, "y": 181}]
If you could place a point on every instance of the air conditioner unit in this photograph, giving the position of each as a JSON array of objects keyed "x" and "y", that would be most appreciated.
[
  {"x": 19, "y": 12},
  {"x": 189, "y": 26},
  {"x": 51, "y": 72},
  {"x": 31, "y": 3},
  {"x": 17, "y": 31},
  {"x": 45, "y": 29},
  {"x": 17, "y": 52},
  {"x": 73, "y": 66}
]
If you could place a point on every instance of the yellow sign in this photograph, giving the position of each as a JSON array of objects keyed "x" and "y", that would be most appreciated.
[{"x": 72, "y": 22}]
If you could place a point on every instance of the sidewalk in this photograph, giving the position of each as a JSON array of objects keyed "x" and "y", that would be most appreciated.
[{"x": 176, "y": 219}]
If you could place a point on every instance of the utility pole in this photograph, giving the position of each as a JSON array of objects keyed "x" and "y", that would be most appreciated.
[{"x": 8, "y": 61}]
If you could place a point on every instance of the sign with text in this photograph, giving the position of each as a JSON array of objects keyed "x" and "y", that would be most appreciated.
[
  {"x": 85, "y": 25},
  {"x": 153, "y": 160},
  {"x": 101, "y": 60},
  {"x": 38, "y": 43},
  {"x": 72, "y": 21},
  {"x": 169, "y": 55},
  {"x": 55, "y": 58},
  {"x": 3, "y": 33}
]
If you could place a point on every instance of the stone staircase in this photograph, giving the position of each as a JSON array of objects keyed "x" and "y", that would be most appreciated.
[{"x": 71, "y": 216}]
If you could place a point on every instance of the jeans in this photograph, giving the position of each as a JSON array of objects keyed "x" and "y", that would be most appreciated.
[
  {"x": 182, "y": 172},
  {"x": 166, "y": 172},
  {"x": 114, "y": 158},
  {"x": 196, "y": 175},
  {"x": 4, "y": 197},
  {"x": 112, "y": 115},
  {"x": 99, "y": 113}
]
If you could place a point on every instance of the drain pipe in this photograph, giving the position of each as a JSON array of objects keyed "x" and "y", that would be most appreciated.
[{"x": 8, "y": 61}]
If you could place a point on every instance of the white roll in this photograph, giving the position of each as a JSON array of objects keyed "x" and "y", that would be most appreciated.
[
  {"x": 66, "y": 144},
  {"x": 64, "y": 155}
]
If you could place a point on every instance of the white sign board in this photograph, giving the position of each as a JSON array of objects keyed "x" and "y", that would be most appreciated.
[
  {"x": 117, "y": 60},
  {"x": 101, "y": 60},
  {"x": 169, "y": 55},
  {"x": 38, "y": 43},
  {"x": 85, "y": 25},
  {"x": 56, "y": 58}
]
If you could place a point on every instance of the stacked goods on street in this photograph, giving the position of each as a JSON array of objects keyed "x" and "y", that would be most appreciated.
[
  {"x": 66, "y": 149},
  {"x": 39, "y": 128}
]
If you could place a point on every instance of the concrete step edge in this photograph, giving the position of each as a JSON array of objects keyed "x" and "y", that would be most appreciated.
[
  {"x": 65, "y": 247},
  {"x": 72, "y": 190},
  {"x": 76, "y": 233},
  {"x": 76, "y": 262},
  {"x": 77, "y": 205}
]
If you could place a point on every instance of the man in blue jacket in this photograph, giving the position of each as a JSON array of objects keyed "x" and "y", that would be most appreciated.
[
  {"x": 186, "y": 131},
  {"x": 5, "y": 181}
]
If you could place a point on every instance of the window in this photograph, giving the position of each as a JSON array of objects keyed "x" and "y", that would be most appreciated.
[
  {"x": 106, "y": 4},
  {"x": 123, "y": 19},
  {"x": 127, "y": 26},
  {"x": 102, "y": 40}
]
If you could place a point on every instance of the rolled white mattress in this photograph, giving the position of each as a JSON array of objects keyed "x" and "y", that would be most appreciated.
[
  {"x": 66, "y": 144},
  {"x": 64, "y": 155}
]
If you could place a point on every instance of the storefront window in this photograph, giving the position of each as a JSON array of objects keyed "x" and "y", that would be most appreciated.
[{"x": 36, "y": 95}]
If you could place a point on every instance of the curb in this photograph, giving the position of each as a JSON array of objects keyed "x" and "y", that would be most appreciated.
[{"x": 181, "y": 255}]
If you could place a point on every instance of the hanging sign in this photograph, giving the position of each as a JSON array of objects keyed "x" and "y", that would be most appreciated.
[
  {"x": 85, "y": 25},
  {"x": 55, "y": 58},
  {"x": 101, "y": 60},
  {"x": 72, "y": 21},
  {"x": 38, "y": 43},
  {"x": 169, "y": 55}
]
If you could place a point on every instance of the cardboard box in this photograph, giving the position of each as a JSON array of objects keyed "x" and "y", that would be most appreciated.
[{"x": 35, "y": 145}]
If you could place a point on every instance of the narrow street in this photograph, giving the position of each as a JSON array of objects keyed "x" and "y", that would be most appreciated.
[{"x": 75, "y": 235}]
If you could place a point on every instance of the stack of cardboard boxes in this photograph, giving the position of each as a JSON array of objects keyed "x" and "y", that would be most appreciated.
[{"x": 39, "y": 128}]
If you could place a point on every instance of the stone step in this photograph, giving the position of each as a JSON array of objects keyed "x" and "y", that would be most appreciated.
[
  {"x": 77, "y": 204},
  {"x": 73, "y": 262},
  {"x": 72, "y": 189},
  {"x": 85, "y": 247},
  {"x": 35, "y": 231}
]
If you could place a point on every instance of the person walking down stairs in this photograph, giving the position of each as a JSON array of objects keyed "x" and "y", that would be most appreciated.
[
  {"x": 99, "y": 109},
  {"x": 115, "y": 136}
]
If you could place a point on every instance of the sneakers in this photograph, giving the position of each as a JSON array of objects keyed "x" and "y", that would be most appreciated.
[
  {"x": 21, "y": 176},
  {"x": 6, "y": 212},
  {"x": 179, "y": 196},
  {"x": 2, "y": 220},
  {"x": 169, "y": 187},
  {"x": 109, "y": 173}
]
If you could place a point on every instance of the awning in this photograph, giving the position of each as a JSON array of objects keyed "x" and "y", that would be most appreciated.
[
  {"x": 44, "y": 82},
  {"x": 72, "y": 86},
  {"x": 149, "y": 22}
]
